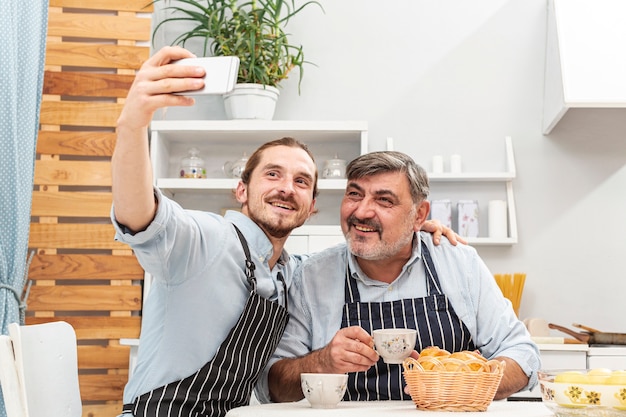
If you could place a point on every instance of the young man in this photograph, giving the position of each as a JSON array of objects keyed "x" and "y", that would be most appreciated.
[
  {"x": 389, "y": 274},
  {"x": 216, "y": 309}
]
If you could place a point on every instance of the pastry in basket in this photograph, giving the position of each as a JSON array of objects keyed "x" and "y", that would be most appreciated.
[
  {"x": 435, "y": 351},
  {"x": 437, "y": 359},
  {"x": 459, "y": 381}
]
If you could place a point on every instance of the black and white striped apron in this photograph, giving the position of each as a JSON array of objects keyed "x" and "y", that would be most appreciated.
[
  {"x": 434, "y": 318},
  {"x": 228, "y": 379}
]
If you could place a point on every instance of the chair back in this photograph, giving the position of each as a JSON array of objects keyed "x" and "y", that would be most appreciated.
[
  {"x": 47, "y": 369},
  {"x": 12, "y": 391}
]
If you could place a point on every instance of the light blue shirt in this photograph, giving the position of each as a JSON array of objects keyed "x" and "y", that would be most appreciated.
[
  {"x": 316, "y": 299},
  {"x": 199, "y": 288}
]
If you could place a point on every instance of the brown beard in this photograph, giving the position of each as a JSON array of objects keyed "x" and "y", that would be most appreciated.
[{"x": 277, "y": 228}]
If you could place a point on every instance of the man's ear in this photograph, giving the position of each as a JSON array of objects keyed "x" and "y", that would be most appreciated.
[
  {"x": 313, "y": 209},
  {"x": 421, "y": 215},
  {"x": 241, "y": 192}
]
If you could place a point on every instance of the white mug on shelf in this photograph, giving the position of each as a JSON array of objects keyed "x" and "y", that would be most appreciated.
[
  {"x": 455, "y": 164},
  {"x": 437, "y": 164}
]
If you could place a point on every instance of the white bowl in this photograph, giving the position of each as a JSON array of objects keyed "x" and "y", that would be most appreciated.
[
  {"x": 593, "y": 392},
  {"x": 324, "y": 390},
  {"x": 394, "y": 345}
]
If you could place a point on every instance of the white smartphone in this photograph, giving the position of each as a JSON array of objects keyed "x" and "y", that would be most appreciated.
[{"x": 220, "y": 77}]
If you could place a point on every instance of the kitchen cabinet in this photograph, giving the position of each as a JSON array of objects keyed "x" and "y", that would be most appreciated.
[
  {"x": 504, "y": 179},
  {"x": 611, "y": 357},
  {"x": 584, "y": 66},
  {"x": 222, "y": 141}
]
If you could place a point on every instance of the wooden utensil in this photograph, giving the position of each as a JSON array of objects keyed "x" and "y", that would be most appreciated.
[{"x": 593, "y": 338}]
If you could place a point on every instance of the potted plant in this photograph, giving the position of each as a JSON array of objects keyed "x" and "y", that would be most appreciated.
[{"x": 254, "y": 31}]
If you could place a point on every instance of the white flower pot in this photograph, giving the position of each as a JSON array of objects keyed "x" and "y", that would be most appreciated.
[{"x": 251, "y": 101}]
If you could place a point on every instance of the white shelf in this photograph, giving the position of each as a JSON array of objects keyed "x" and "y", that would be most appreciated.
[
  {"x": 472, "y": 177},
  {"x": 488, "y": 241},
  {"x": 257, "y": 132},
  {"x": 222, "y": 140},
  {"x": 174, "y": 185},
  {"x": 506, "y": 178},
  {"x": 219, "y": 141}
]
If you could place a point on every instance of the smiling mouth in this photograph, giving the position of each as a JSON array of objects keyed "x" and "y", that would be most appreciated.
[
  {"x": 363, "y": 228},
  {"x": 364, "y": 225},
  {"x": 282, "y": 205}
]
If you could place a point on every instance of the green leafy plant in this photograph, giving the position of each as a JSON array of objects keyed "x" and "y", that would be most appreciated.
[{"x": 252, "y": 30}]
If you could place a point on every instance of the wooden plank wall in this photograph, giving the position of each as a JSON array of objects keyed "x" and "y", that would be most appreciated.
[{"x": 80, "y": 273}]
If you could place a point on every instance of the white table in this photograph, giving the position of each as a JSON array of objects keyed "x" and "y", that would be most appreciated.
[{"x": 387, "y": 409}]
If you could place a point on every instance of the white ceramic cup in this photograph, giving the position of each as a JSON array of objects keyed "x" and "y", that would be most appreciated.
[
  {"x": 455, "y": 164},
  {"x": 394, "y": 345},
  {"x": 324, "y": 390},
  {"x": 437, "y": 164}
]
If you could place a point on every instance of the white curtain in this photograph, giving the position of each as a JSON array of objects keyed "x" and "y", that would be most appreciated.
[{"x": 23, "y": 26}]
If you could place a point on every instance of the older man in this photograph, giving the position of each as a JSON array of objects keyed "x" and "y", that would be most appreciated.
[{"x": 389, "y": 274}]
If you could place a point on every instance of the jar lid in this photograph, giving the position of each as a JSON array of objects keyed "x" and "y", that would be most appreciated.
[{"x": 192, "y": 159}]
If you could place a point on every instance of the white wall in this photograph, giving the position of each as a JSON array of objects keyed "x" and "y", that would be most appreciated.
[{"x": 454, "y": 76}]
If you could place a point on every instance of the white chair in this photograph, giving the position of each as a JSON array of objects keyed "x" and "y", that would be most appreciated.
[{"x": 39, "y": 371}]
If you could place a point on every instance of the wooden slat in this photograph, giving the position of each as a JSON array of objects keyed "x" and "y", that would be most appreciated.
[
  {"x": 102, "y": 410},
  {"x": 73, "y": 236},
  {"x": 76, "y": 54},
  {"x": 115, "y": 5},
  {"x": 98, "y": 26},
  {"x": 101, "y": 387},
  {"x": 84, "y": 298},
  {"x": 90, "y": 45},
  {"x": 71, "y": 204},
  {"x": 103, "y": 357},
  {"x": 87, "y": 84},
  {"x": 75, "y": 266},
  {"x": 76, "y": 143},
  {"x": 96, "y": 327},
  {"x": 84, "y": 173},
  {"x": 76, "y": 113}
]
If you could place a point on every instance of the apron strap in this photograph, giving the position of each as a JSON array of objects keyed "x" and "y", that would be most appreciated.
[
  {"x": 250, "y": 267},
  {"x": 249, "y": 264}
]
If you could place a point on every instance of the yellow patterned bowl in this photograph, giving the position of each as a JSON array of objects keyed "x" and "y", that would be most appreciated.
[{"x": 593, "y": 392}]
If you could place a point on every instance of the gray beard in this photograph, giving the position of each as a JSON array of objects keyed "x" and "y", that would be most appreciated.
[{"x": 381, "y": 250}]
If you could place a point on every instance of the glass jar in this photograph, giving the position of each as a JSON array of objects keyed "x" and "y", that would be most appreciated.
[
  {"x": 192, "y": 166},
  {"x": 234, "y": 169},
  {"x": 334, "y": 168}
]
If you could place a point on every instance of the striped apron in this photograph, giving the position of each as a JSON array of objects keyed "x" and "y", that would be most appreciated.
[
  {"x": 228, "y": 379},
  {"x": 432, "y": 316}
]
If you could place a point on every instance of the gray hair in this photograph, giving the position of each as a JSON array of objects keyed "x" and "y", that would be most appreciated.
[{"x": 390, "y": 161}]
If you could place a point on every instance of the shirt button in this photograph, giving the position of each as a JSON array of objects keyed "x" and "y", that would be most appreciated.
[
  {"x": 390, "y": 288},
  {"x": 261, "y": 258}
]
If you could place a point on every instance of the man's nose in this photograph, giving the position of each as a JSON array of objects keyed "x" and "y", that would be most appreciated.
[
  {"x": 365, "y": 209},
  {"x": 287, "y": 186}
]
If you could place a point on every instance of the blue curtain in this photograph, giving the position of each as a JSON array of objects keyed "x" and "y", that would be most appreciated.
[{"x": 23, "y": 27}]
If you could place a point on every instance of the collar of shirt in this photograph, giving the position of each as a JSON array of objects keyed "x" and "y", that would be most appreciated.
[{"x": 255, "y": 236}]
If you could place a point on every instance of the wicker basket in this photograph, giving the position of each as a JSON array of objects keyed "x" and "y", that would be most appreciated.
[{"x": 452, "y": 385}]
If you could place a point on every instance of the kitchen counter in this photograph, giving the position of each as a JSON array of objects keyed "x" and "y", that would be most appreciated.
[{"x": 386, "y": 409}]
